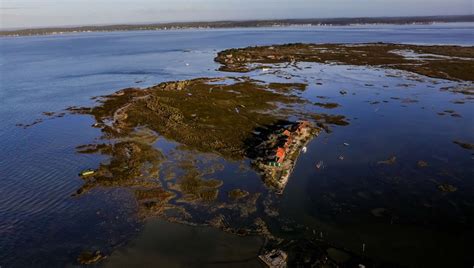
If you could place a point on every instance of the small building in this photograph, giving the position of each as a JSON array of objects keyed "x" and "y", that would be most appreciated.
[
  {"x": 275, "y": 258},
  {"x": 288, "y": 142},
  {"x": 280, "y": 155},
  {"x": 287, "y": 133},
  {"x": 302, "y": 125}
]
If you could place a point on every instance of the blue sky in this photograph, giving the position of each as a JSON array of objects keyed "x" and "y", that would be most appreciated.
[{"x": 39, "y": 13}]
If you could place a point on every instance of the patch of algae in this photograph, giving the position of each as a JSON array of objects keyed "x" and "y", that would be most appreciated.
[
  {"x": 130, "y": 164},
  {"x": 237, "y": 194},
  {"x": 194, "y": 186}
]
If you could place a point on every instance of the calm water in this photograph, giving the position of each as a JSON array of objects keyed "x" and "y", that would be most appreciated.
[{"x": 396, "y": 211}]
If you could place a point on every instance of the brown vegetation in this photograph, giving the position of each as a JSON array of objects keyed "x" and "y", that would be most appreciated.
[{"x": 446, "y": 62}]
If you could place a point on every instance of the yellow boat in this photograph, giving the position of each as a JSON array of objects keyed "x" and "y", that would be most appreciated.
[{"x": 87, "y": 172}]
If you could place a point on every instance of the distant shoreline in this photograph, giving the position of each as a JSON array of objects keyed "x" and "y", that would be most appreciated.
[{"x": 240, "y": 24}]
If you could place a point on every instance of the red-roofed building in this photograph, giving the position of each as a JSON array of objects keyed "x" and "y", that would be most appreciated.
[{"x": 280, "y": 154}]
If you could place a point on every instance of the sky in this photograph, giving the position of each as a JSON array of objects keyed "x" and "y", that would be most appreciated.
[{"x": 46, "y": 13}]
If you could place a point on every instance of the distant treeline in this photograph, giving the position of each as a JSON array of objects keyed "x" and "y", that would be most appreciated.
[{"x": 240, "y": 24}]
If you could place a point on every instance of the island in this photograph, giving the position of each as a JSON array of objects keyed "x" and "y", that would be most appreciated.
[
  {"x": 240, "y": 24},
  {"x": 263, "y": 126}
]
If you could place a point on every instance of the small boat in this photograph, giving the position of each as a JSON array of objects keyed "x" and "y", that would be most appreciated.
[
  {"x": 87, "y": 172},
  {"x": 304, "y": 149},
  {"x": 320, "y": 165}
]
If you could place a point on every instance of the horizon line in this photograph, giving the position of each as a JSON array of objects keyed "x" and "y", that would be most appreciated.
[{"x": 226, "y": 21}]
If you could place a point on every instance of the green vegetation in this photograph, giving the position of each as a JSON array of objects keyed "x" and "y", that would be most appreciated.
[
  {"x": 88, "y": 257},
  {"x": 151, "y": 193},
  {"x": 327, "y": 105},
  {"x": 197, "y": 113},
  {"x": 422, "y": 164},
  {"x": 287, "y": 87},
  {"x": 194, "y": 186},
  {"x": 392, "y": 160},
  {"x": 465, "y": 145},
  {"x": 447, "y": 188},
  {"x": 129, "y": 165},
  {"x": 237, "y": 194},
  {"x": 330, "y": 119}
]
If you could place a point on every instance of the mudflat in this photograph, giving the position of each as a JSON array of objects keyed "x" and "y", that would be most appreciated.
[
  {"x": 235, "y": 142},
  {"x": 446, "y": 62}
]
